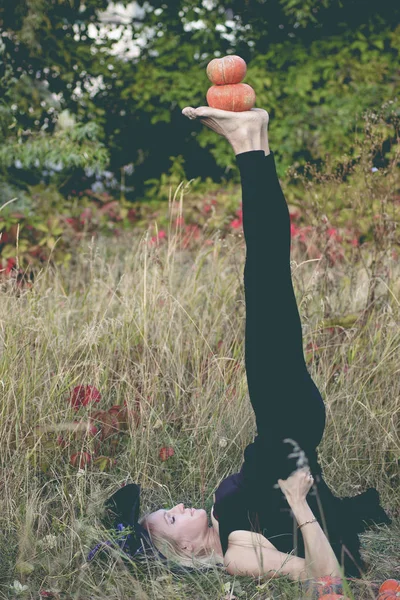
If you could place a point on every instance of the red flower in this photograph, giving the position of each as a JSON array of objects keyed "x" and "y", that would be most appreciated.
[
  {"x": 161, "y": 234},
  {"x": 303, "y": 232},
  {"x": 333, "y": 233},
  {"x": 180, "y": 221},
  {"x": 312, "y": 346},
  {"x": 193, "y": 229},
  {"x": 46, "y": 594},
  {"x": 86, "y": 215},
  {"x": 191, "y": 232},
  {"x": 166, "y": 453},
  {"x": 83, "y": 394},
  {"x": 294, "y": 215},
  {"x": 236, "y": 223},
  {"x": 131, "y": 215},
  {"x": 74, "y": 223},
  {"x": 11, "y": 262}
]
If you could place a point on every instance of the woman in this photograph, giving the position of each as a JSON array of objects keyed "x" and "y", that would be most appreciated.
[{"x": 255, "y": 528}]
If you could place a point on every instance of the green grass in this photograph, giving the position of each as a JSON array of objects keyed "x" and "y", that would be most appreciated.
[{"x": 165, "y": 327}]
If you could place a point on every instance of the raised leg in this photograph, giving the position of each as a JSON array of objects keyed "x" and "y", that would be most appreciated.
[{"x": 286, "y": 401}]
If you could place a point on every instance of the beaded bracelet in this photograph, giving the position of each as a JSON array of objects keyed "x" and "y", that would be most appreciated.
[{"x": 313, "y": 521}]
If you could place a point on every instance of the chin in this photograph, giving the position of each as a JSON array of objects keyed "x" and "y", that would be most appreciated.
[{"x": 202, "y": 514}]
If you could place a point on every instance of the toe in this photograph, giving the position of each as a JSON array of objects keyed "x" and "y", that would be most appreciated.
[{"x": 188, "y": 111}]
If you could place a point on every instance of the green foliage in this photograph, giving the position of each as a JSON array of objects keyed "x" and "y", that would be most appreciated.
[
  {"x": 74, "y": 147},
  {"x": 318, "y": 103},
  {"x": 303, "y": 11},
  {"x": 315, "y": 66}
]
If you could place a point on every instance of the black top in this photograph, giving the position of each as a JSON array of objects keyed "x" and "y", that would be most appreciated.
[{"x": 233, "y": 510}]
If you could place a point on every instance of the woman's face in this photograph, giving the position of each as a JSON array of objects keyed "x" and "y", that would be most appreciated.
[{"x": 181, "y": 524}]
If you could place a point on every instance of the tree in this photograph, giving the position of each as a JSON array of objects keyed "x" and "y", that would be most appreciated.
[{"x": 315, "y": 65}]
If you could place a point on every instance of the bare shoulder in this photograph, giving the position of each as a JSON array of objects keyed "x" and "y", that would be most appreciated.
[
  {"x": 246, "y": 539},
  {"x": 251, "y": 554},
  {"x": 244, "y": 552}
]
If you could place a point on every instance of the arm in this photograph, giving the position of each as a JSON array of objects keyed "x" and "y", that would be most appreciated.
[
  {"x": 251, "y": 554},
  {"x": 320, "y": 558}
]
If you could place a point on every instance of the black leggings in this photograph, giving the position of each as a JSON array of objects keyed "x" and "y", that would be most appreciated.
[{"x": 286, "y": 401}]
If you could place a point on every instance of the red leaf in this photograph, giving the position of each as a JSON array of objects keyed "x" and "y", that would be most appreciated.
[
  {"x": 61, "y": 442},
  {"x": 83, "y": 394},
  {"x": 108, "y": 423},
  {"x": 166, "y": 452},
  {"x": 80, "y": 459}
]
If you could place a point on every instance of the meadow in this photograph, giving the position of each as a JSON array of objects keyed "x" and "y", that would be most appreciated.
[{"x": 154, "y": 320}]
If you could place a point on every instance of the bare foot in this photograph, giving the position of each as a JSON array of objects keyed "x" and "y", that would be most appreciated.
[{"x": 245, "y": 131}]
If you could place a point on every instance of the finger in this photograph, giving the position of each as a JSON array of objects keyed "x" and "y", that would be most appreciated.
[{"x": 306, "y": 471}]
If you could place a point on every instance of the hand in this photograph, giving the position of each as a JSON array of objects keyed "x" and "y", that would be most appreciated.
[{"x": 297, "y": 486}]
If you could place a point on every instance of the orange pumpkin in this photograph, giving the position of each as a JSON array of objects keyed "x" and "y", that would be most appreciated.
[
  {"x": 237, "y": 97},
  {"x": 226, "y": 70},
  {"x": 388, "y": 595},
  {"x": 390, "y": 585}
]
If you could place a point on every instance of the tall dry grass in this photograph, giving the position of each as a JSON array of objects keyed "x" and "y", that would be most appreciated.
[{"x": 165, "y": 327}]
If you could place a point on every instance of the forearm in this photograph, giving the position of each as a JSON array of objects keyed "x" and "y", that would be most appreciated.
[{"x": 319, "y": 556}]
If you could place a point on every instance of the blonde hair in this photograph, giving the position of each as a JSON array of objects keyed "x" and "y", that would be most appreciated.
[{"x": 172, "y": 551}]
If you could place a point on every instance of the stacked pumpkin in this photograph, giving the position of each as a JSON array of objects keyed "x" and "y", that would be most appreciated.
[{"x": 228, "y": 93}]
